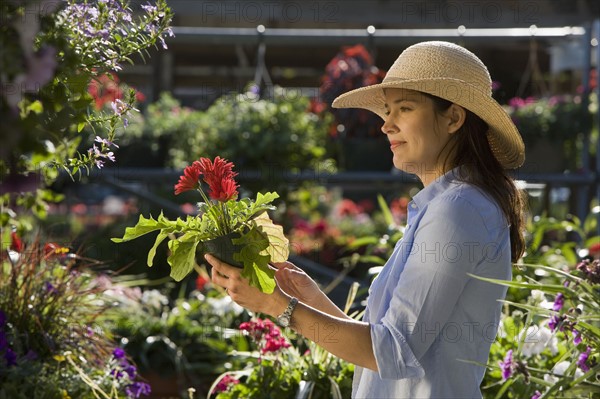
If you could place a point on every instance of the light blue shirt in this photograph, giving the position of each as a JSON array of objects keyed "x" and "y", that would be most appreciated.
[{"x": 425, "y": 312}]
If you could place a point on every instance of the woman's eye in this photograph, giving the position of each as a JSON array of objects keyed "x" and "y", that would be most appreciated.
[{"x": 404, "y": 109}]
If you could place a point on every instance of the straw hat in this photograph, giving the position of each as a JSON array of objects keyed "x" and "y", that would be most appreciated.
[{"x": 451, "y": 72}]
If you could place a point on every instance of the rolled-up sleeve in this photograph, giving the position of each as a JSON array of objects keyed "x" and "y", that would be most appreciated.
[{"x": 448, "y": 242}]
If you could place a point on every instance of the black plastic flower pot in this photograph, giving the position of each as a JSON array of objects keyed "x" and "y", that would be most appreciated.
[{"x": 223, "y": 249}]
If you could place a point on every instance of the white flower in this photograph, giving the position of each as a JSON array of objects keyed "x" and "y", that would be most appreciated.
[
  {"x": 224, "y": 305},
  {"x": 154, "y": 299},
  {"x": 559, "y": 369},
  {"x": 539, "y": 299},
  {"x": 537, "y": 338}
]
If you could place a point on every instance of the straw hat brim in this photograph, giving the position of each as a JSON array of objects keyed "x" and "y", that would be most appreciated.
[{"x": 504, "y": 138}]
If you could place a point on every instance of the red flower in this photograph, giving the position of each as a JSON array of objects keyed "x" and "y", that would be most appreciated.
[
  {"x": 223, "y": 190},
  {"x": 15, "y": 242},
  {"x": 219, "y": 177},
  {"x": 189, "y": 180},
  {"x": 201, "y": 282}
]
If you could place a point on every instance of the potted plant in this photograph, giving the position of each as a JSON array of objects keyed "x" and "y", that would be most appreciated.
[
  {"x": 238, "y": 232},
  {"x": 551, "y": 128},
  {"x": 356, "y": 133}
]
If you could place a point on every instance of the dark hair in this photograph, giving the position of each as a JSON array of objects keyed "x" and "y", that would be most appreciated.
[{"x": 471, "y": 150}]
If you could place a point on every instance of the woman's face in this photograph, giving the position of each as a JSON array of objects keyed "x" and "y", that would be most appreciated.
[{"x": 416, "y": 133}]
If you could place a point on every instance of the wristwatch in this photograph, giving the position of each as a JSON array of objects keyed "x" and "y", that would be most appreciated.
[{"x": 284, "y": 319}]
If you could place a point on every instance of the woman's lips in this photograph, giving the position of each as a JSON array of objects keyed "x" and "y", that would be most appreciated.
[{"x": 395, "y": 144}]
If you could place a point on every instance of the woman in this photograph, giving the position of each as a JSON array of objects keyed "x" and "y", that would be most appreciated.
[{"x": 425, "y": 313}]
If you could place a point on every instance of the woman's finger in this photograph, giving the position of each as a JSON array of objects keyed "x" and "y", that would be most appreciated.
[
  {"x": 222, "y": 268},
  {"x": 284, "y": 265},
  {"x": 218, "y": 279}
]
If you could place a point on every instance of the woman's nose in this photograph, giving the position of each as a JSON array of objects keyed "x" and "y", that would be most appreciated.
[{"x": 389, "y": 127}]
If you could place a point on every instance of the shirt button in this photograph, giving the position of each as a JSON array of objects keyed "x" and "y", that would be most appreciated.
[{"x": 413, "y": 206}]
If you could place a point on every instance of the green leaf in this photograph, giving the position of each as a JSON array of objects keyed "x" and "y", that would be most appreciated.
[
  {"x": 387, "y": 214},
  {"x": 159, "y": 238},
  {"x": 182, "y": 258},
  {"x": 144, "y": 226},
  {"x": 279, "y": 246},
  {"x": 36, "y": 107},
  {"x": 361, "y": 242},
  {"x": 80, "y": 126},
  {"x": 256, "y": 264}
]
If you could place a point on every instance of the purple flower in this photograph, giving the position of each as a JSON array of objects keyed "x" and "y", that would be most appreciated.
[
  {"x": 508, "y": 365},
  {"x": 559, "y": 301},
  {"x": 131, "y": 371},
  {"x": 556, "y": 321},
  {"x": 137, "y": 389},
  {"x": 31, "y": 355},
  {"x": 582, "y": 361},
  {"x": 150, "y": 9},
  {"x": 11, "y": 357},
  {"x": 50, "y": 288},
  {"x": 106, "y": 142},
  {"x": 536, "y": 395},
  {"x": 576, "y": 337},
  {"x": 119, "y": 353},
  {"x": 3, "y": 341}
]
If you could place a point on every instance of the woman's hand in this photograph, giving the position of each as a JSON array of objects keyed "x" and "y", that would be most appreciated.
[
  {"x": 295, "y": 282},
  {"x": 240, "y": 291}
]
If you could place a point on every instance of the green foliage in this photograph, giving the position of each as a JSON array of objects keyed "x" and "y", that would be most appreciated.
[
  {"x": 554, "y": 118},
  {"x": 48, "y": 318},
  {"x": 50, "y": 54},
  {"x": 260, "y": 242},
  {"x": 191, "y": 336}
]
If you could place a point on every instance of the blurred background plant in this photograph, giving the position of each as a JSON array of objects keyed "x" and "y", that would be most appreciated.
[
  {"x": 341, "y": 233},
  {"x": 51, "y": 342},
  {"x": 51, "y": 52},
  {"x": 356, "y": 140},
  {"x": 282, "y": 367},
  {"x": 178, "y": 339},
  {"x": 553, "y": 127}
]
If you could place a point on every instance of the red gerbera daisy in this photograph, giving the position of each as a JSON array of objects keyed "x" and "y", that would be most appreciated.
[{"x": 190, "y": 180}]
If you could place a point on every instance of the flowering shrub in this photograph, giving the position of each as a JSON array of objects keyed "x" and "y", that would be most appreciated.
[
  {"x": 186, "y": 339},
  {"x": 554, "y": 344},
  {"x": 350, "y": 69},
  {"x": 258, "y": 240},
  {"x": 281, "y": 369},
  {"x": 556, "y": 117},
  {"x": 325, "y": 226},
  {"x": 50, "y": 345},
  {"x": 54, "y": 50}
]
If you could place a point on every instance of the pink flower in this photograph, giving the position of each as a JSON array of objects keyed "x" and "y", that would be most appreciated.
[{"x": 225, "y": 383}]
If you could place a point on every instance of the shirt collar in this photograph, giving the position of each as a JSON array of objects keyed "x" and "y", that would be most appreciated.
[{"x": 439, "y": 185}]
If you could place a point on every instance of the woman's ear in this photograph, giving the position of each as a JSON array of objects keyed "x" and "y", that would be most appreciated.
[{"x": 456, "y": 117}]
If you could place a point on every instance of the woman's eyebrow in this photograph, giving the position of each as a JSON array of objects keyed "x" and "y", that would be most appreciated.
[{"x": 398, "y": 101}]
